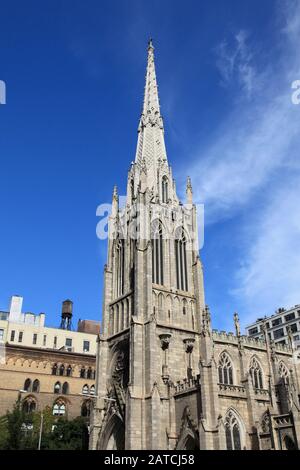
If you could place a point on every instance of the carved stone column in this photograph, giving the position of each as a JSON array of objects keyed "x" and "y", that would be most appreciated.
[
  {"x": 164, "y": 342},
  {"x": 189, "y": 346}
]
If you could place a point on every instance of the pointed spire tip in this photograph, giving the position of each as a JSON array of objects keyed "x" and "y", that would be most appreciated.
[{"x": 150, "y": 44}]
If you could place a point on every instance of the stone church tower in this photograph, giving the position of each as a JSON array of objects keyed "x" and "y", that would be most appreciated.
[{"x": 165, "y": 379}]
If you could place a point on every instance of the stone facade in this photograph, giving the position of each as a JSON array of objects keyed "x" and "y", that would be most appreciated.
[
  {"x": 43, "y": 378},
  {"x": 45, "y": 366},
  {"x": 165, "y": 379}
]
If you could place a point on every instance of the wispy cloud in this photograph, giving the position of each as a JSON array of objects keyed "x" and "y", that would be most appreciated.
[
  {"x": 269, "y": 275},
  {"x": 253, "y": 167},
  {"x": 237, "y": 61}
]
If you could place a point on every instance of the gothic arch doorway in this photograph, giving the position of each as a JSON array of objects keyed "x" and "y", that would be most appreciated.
[{"x": 113, "y": 436}]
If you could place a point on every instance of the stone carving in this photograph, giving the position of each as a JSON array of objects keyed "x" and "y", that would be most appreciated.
[{"x": 237, "y": 324}]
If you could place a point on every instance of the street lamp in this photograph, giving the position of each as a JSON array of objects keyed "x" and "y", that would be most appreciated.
[{"x": 88, "y": 395}]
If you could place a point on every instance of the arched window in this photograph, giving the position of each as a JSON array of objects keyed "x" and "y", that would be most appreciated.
[
  {"x": 36, "y": 386},
  {"x": 120, "y": 261},
  {"x": 82, "y": 372},
  {"x": 92, "y": 390},
  {"x": 69, "y": 371},
  {"x": 57, "y": 387},
  {"x": 27, "y": 385},
  {"x": 62, "y": 370},
  {"x": 65, "y": 388},
  {"x": 232, "y": 431},
  {"x": 164, "y": 189},
  {"x": 256, "y": 374},
  {"x": 86, "y": 408},
  {"x": 59, "y": 408},
  {"x": 29, "y": 405},
  {"x": 225, "y": 370},
  {"x": 181, "y": 260},
  {"x": 157, "y": 254},
  {"x": 85, "y": 389},
  {"x": 54, "y": 369},
  {"x": 284, "y": 373},
  {"x": 89, "y": 373}
]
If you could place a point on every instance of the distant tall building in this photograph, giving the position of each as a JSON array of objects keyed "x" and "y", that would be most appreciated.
[
  {"x": 282, "y": 327},
  {"x": 46, "y": 366},
  {"x": 165, "y": 379}
]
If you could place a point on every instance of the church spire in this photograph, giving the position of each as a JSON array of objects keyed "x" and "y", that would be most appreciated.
[
  {"x": 151, "y": 146},
  {"x": 151, "y": 100}
]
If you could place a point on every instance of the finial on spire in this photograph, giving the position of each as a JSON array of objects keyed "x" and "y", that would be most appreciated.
[
  {"x": 115, "y": 202},
  {"x": 150, "y": 44},
  {"x": 189, "y": 191},
  {"x": 237, "y": 324}
]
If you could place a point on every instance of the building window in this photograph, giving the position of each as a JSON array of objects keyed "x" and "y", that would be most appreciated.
[
  {"x": 29, "y": 405},
  {"x": 256, "y": 374},
  {"x": 120, "y": 261},
  {"x": 20, "y": 338},
  {"x": 44, "y": 340},
  {"x": 86, "y": 346},
  {"x": 253, "y": 331},
  {"x": 290, "y": 316},
  {"x": 86, "y": 408},
  {"x": 284, "y": 373},
  {"x": 164, "y": 189},
  {"x": 68, "y": 342},
  {"x": 278, "y": 333},
  {"x": 277, "y": 322},
  {"x": 54, "y": 369},
  {"x": 82, "y": 372},
  {"x": 27, "y": 385},
  {"x": 294, "y": 327},
  {"x": 85, "y": 389},
  {"x": 55, "y": 342},
  {"x": 92, "y": 390},
  {"x": 57, "y": 387},
  {"x": 62, "y": 370},
  {"x": 89, "y": 373},
  {"x": 59, "y": 408},
  {"x": 181, "y": 261},
  {"x": 1, "y": 334},
  {"x": 36, "y": 386},
  {"x": 69, "y": 371},
  {"x": 12, "y": 335},
  {"x": 232, "y": 431},
  {"x": 157, "y": 255},
  {"x": 225, "y": 370},
  {"x": 65, "y": 388},
  {"x": 34, "y": 339}
]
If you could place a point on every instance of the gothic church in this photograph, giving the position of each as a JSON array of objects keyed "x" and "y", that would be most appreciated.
[{"x": 165, "y": 379}]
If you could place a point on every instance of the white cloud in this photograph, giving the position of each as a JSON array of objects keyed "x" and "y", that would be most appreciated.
[
  {"x": 253, "y": 166},
  {"x": 269, "y": 277},
  {"x": 237, "y": 62}
]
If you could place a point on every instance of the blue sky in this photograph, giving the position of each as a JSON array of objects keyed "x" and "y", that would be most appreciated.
[{"x": 74, "y": 73}]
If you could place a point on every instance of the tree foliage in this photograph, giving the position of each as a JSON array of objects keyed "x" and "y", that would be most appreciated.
[{"x": 19, "y": 430}]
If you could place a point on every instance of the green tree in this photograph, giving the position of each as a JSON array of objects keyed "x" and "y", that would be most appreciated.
[
  {"x": 67, "y": 435},
  {"x": 19, "y": 430}
]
